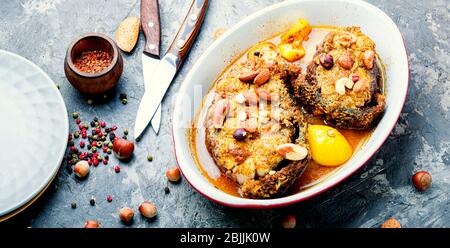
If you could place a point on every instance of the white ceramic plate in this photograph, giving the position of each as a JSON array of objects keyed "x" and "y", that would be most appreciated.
[
  {"x": 33, "y": 131},
  {"x": 265, "y": 24}
]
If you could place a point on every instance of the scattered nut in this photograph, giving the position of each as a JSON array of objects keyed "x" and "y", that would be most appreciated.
[
  {"x": 239, "y": 134},
  {"x": 339, "y": 86},
  {"x": 263, "y": 94},
  {"x": 127, "y": 33},
  {"x": 368, "y": 59},
  {"x": 391, "y": 223},
  {"x": 251, "y": 97},
  {"x": 81, "y": 169},
  {"x": 289, "y": 221},
  {"x": 126, "y": 214},
  {"x": 326, "y": 61},
  {"x": 148, "y": 209},
  {"x": 91, "y": 224},
  {"x": 248, "y": 76},
  {"x": 262, "y": 77},
  {"x": 251, "y": 125},
  {"x": 173, "y": 174},
  {"x": 123, "y": 149},
  {"x": 422, "y": 180},
  {"x": 220, "y": 112},
  {"x": 354, "y": 77},
  {"x": 292, "y": 151},
  {"x": 361, "y": 85},
  {"x": 345, "y": 61}
]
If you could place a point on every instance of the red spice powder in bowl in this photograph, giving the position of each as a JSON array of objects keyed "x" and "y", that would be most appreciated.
[{"x": 93, "y": 63}]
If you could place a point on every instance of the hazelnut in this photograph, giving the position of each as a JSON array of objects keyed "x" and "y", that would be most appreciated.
[
  {"x": 148, "y": 209},
  {"x": 361, "y": 85},
  {"x": 126, "y": 214},
  {"x": 289, "y": 221},
  {"x": 292, "y": 151},
  {"x": 173, "y": 174},
  {"x": 91, "y": 224},
  {"x": 391, "y": 223},
  {"x": 123, "y": 149},
  {"x": 326, "y": 61},
  {"x": 422, "y": 180},
  {"x": 345, "y": 61},
  {"x": 81, "y": 169},
  {"x": 368, "y": 59}
]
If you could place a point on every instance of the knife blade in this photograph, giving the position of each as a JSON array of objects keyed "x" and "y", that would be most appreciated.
[
  {"x": 167, "y": 68},
  {"x": 150, "y": 23}
]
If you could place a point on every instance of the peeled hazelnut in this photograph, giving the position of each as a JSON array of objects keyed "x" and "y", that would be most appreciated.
[
  {"x": 292, "y": 151},
  {"x": 262, "y": 77},
  {"x": 326, "y": 61},
  {"x": 126, "y": 214},
  {"x": 368, "y": 59},
  {"x": 91, "y": 224},
  {"x": 289, "y": 221},
  {"x": 173, "y": 174},
  {"x": 422, "y": 180},
  {"x": 123, "y": 149},
  {"x": 248, "y": 75},
  {"x": 81, "y": 169},
  {"x": 345, "y": 61},
  {"x": 148, "y": 209},
  {"x": 391, "y": 223}
]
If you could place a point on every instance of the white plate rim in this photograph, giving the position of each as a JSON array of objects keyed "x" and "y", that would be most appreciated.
[{"x": 62, "y": 150}]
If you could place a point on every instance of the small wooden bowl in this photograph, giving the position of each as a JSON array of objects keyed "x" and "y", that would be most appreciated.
[{"x": 99, "y": 82}]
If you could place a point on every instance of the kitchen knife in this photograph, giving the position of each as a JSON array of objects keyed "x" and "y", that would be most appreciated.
[
  {"x": 151, "y": 55},
  {"x": 168, "y": 66}
]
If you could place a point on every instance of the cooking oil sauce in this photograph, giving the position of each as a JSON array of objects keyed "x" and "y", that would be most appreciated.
[{"x": 313, "y": 174}]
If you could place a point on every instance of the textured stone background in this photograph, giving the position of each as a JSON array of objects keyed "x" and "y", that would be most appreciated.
[{"x": 41, "y": 30}]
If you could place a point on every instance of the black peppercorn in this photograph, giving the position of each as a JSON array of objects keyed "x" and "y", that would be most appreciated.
[
  {"x": 92, "y": 201},
  {"x": 112, "y": 136},
  {"x": 256, "y": 53},
  {"x": 166, "y": 190},
  {"x": 73, "y": 205}
]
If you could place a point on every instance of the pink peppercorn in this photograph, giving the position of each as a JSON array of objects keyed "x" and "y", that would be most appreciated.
[
  {"x": 103, "y": 124},
  {"x": 105, "y": 161},
  {"x": 94, "y": 143},
  {"x": 97, "y": 130},
  {"x": 90, "y": 161},
  {"x": 77, "y": 121},
  {"x": 117, "y": 169},
  {"x": 72, "y": 148},
  {"x": 100, "y": 134},
  {"x": 114, "y": 128},
  {"x": 70, "y": 136},
  {"x": 82, "y": 144},
  {"x": 81, "y": 127},
  {"x": 95, "y": 161},
  {"x": 109, "y": 198}
]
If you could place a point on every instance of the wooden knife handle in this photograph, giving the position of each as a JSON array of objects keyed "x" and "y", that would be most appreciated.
[
  {"x": 151, "y": 26},
  {"x": 188, "y": 31}
]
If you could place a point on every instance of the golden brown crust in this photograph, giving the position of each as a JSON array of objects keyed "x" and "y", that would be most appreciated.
[
  {"x": 363, "y": 103},
  {"x": 253, "y": 162}
]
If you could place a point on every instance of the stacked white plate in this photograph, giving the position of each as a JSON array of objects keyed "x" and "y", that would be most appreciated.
[{"x": 33, "y": 132}]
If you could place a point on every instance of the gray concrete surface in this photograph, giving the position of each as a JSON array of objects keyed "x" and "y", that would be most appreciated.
[{"x": 41, "y": 30}]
